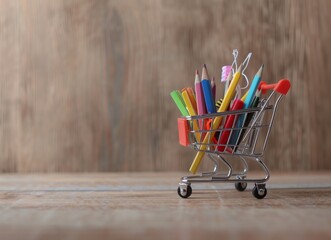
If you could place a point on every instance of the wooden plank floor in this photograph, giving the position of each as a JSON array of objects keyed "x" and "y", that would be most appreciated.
[{"x": 146, "y": 206}]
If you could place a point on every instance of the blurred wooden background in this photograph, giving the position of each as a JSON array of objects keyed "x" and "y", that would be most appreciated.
[{"x": 84, "y": 85}]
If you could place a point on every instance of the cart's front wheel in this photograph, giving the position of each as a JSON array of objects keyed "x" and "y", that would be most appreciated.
[
  {"x": 240, "y": 186},
  {"x": 259, "y": 192},
  {"x": 184, "y": 192}
]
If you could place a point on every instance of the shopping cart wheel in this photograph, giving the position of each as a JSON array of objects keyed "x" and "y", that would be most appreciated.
[
  {"x": 240, "y": 186},
  {"x": 184, "y": 191},
  {"x": 259, "y": 191}
]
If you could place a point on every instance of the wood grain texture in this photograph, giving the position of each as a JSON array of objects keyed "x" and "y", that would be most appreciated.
[
  {"x": 76, "y": 76},
  {"x": 146, "y": 206}
]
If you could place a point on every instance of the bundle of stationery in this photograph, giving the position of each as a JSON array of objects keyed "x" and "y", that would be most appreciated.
[{"x": 201, "y": 105}]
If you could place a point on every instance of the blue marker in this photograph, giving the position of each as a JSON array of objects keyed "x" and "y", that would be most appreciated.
[{"x": 207, "y": 91}]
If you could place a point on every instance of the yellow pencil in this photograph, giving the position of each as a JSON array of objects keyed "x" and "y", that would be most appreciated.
[
  {"x": 217, "y": 120},
  {"x": 244, "y": 97},
  {"x": 192, "y": 112}
]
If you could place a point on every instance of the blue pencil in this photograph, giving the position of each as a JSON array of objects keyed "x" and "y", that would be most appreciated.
[
  {"x": 207, "y": 91},
  {"x": 251, "y": 92},
  {"x": 247, "y": 104}
]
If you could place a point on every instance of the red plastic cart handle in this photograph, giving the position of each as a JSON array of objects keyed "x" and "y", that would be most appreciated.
[{"x": 281, "y": 87}]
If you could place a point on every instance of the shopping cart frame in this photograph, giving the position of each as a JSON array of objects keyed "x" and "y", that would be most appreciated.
[{"x": 245, "y": 149}]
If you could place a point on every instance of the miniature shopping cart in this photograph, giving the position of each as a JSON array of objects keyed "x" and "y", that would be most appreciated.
[{"x": 245, "y": 139}]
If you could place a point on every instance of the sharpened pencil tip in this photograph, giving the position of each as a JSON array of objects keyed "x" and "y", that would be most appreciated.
[
  {"x": 212, "y": 82},
  {"x": 204, "y": 74},
  {"x": 196, "y": 80},
  {"x": 262, "y": 66},
  {"x": 258, "y": 93},
  {"x": 259, "y": 73}
]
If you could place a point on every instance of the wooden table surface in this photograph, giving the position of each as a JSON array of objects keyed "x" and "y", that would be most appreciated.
[{"x": 146, "y": 206}]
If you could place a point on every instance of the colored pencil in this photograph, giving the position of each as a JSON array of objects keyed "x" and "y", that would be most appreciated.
[
  {"x": 217, "y": 120},
  {"x": 247, "y": 104},
  {"x": 213, "y": 87},
  {"x": 207, "y": 91}
]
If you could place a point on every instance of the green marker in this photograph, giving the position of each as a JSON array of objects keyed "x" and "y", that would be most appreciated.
[{"x": 178, "y": 99}]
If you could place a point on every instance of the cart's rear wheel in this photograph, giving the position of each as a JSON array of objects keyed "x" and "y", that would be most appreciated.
[
  {"x": 184, "y": 193},
  {"x": 240, "y": 186},
  {"x": 259, "y": 193}
]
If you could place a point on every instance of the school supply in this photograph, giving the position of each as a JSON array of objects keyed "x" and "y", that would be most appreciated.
[
  {"x": 218, "y": 103},
  {"x": 200, "y": 99},
  {"x": 248, "y": 119},
  {"x": 227, "y": 83},
  {"x": 254, "y": 85},
  {"x": 213, "y": 88},
  {"x": 178, "y": 99},
  {"x": 226, "y": 70},
  {"x": 239, "y": 128},
  {"x": 253, "y": 143},
  {"x": 216, "y": 122},
  {"x": 243, "y": 98},
  {"x": 191, "y": 95},
  {"x": 191, "y": 112},
  {"x": 183, "y": 128},
  {"x": 237, "y": 105},
  {"x": 247, "y": 104},
  {"x": 207, "y": 91}
]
